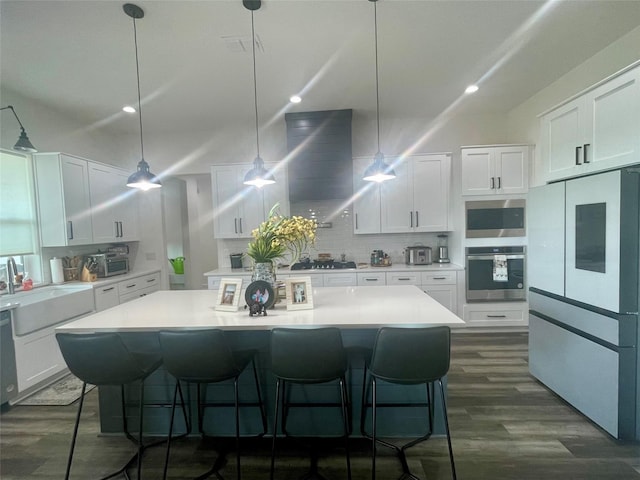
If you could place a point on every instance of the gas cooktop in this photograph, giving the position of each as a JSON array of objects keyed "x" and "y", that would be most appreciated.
[{"x": 320, "y": 265}]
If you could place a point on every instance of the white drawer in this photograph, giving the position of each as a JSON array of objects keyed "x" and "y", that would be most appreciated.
[
  {"x": 137, "y": 283},
  {"x": 106, "y": 297},
  {"x": 372, "y": 278},
  {"x": 213, "y": 283},
  {"x": 403, "y": 278},
  {"x": 137, "y": 294},
  {"x": 340, "y": 279},
  {"x": 505, "y": 314},
  {"x": 439, "y": 278}
]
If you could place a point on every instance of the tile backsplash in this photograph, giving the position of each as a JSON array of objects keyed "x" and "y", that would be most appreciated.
[{"x": 339, "y": 237}]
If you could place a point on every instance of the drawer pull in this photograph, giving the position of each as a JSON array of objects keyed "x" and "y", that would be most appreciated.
[
  {"x": 372, "y": 279},
  {"x": 151, "y": 280},
  {"x": 496, "y": 316},
  {"x": 404, "y": 279},
  {"x": 439, "y": 278},
  {"x": 131, "y": 286},
  {"x": 107, "y": 289}
]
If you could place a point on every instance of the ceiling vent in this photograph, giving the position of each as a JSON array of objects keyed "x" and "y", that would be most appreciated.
[{"x": 321, "y": 164}]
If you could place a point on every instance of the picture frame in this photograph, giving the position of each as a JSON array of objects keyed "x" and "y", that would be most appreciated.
[
  {"x": 299, "y": 293},
  {"x": 229, "y": 294}
]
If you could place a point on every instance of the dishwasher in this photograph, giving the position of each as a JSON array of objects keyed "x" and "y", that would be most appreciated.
[{"x": 8, "y": 376}]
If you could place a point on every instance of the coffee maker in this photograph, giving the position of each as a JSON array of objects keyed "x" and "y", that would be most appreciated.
[{"x": 443, "y": 249}]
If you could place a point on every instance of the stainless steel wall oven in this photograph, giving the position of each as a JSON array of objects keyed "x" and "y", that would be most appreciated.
[{"x": 495, "y": 274}]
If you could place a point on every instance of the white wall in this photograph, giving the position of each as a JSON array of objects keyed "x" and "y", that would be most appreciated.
[{"x": 52, "y": 131}]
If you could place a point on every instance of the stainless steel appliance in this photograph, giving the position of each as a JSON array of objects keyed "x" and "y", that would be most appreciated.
[
  {"x": 109, "y": 264},
  {"x": 417, "y": 256},
  {"x": 443, "y": 249},
  {"x": 495, "y": 218},
  {"x": 8, "y": 376},
  {"x": 495, "y": 274},
  {"x": 584, "y": 251},
  {"x": 308, "y": 264}
]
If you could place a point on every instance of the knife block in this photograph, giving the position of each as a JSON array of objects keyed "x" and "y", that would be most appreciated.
[{"x": 87, "y": 276}]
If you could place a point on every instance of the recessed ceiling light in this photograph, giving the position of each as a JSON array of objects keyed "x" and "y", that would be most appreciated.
[
  {"x": 295, "y": 99},
  {"x": 471, "y": 89},
  {"x": 129, "y": 109}
]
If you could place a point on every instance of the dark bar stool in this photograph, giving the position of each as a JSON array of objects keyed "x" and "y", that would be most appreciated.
[
  {"x": 204, "y": 357},
  {"x": 308, "y": 356},
  {"x": 102, "y": 359},
  {"x": 408, "y": 356}
]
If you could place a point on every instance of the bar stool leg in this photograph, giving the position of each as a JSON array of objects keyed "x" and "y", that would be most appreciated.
[
  {"x": 373, "y": 428},
  {"x": 141, "y": 423},
  {"x": 173, "y": 411},
  {"x": 446, "y": 425},
  {"x": 75, "y": 432},
  {"x": 275, "y": 430},
  {"x": 346, "y": 418},
  {"x": 235, "y": 387},
  {"x": 263, "y": 413}
]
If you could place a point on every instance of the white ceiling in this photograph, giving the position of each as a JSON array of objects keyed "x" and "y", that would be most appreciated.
[{"x": 78, "y": 56}]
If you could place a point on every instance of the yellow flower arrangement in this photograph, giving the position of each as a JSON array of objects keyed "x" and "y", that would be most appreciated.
[{"x": 279, "y": 234}]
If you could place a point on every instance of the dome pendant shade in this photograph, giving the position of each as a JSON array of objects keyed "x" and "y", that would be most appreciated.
[
  {"x": 258, "y": 176},
  {"x": 379, "y": 171},
  {"x": 24, "y": 144},
  {"x": 143, "y": 178}
]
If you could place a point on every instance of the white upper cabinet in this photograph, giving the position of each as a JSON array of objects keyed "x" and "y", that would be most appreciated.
[
  {"x": 366, "y": 203},
  {"x": 114, "y": 205},
  {"x": 239, "y": 208},
  {"x": 81, "y": 202},
  {"x": 599, "y": 130},
  {"x": 495, "y": 170},
  {"x": 417, "y": 200},
  {"x": 64, "y": 208}
]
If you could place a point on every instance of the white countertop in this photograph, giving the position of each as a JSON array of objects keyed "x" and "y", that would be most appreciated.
[
  {"x": 344, "y": 307},
  {"x": 435, "y": 267}
]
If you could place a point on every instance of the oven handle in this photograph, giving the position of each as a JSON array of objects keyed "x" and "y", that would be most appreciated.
[{"x": 491, "y": 257}]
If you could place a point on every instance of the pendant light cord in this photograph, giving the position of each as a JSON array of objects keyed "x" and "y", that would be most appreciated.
[
  {"x": 135, "y": 41},
  {"x": 255, "y": 83},
  {"x": 375, "y": 23}
]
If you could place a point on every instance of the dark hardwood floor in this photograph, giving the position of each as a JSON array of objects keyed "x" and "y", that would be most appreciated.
[{"x": 504, "y": 424}]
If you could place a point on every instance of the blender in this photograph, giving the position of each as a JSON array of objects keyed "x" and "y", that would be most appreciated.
[{"x": 443, "y": 249}]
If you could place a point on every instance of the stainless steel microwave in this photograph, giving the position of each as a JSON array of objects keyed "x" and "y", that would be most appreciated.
[
  {"x": 495, "y": 218},
  {"x": 109, "y": 264}
]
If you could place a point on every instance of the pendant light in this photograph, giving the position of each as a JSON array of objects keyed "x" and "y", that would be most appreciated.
[
  {"x": 258, "y": 176},
  {"x": 142, "y": 178},
  {"x": 23, "y": 144},
  {"x": 378, "y": 171}
]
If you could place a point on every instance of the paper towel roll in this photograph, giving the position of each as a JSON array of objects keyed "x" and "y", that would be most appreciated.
[{"x": 57, "y": 275}]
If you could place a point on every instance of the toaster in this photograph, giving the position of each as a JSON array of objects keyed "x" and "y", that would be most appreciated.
[{"x": 417, "y": 256}]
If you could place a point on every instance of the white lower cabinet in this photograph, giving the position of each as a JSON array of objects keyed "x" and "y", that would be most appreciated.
[
  {"x": 339, "y": 279},
  {"x": 404, "y": 278},
  {"x": 371, "y": 278},
  {"x": 442, "y": 287},
  {"x": 496, "y": 314},
  {"x": 38, "y": 358},
  {"x": 126, "y": 290}
]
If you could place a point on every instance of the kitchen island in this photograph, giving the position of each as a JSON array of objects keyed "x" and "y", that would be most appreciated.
[{"x": 358, "y": 311}]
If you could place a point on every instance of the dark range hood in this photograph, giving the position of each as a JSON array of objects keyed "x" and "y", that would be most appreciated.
[{"x": 321, "y": 164}]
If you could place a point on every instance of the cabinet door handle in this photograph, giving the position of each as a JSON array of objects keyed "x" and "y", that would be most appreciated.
[
  {"x": 585, "y": 157},
  {"x": 493, "y": 183},
  {"x": 499, "y": 183},
  {"x": 107, "y": 289},
  {"x": 235, "y": 224},
  {"x": 496, "y": 316},
  {"x": 356, "y": 221},
  {"x": 121, "y": 230},
  {"x": 411, "y": 219},
  {"x": 117, "y": 229},
  {"x": 240, "y": 223},
  {"x": 417, "y": 222},
  {"x": 578, "y": 151}
]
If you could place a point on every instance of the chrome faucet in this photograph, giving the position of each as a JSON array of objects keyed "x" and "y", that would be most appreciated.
[{"x": 12, "y": 271}]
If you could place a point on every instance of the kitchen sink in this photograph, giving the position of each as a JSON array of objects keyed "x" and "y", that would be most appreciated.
[{"x": 46, "y": 306}]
